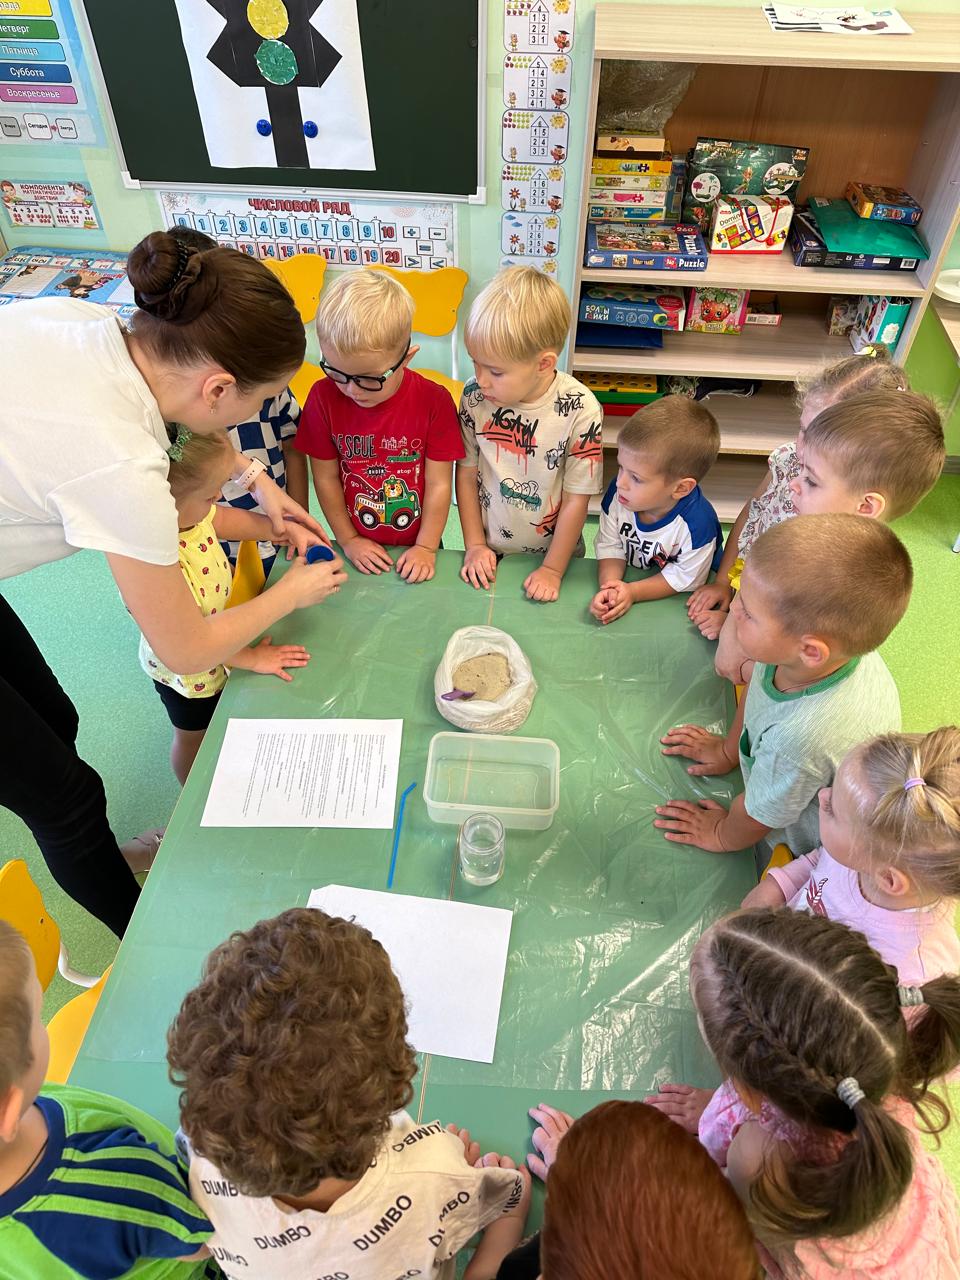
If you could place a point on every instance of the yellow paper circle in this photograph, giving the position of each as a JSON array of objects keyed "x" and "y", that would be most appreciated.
[{"x": 268, "y": 18}]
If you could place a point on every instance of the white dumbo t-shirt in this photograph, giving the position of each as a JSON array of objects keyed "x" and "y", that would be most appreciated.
[{"x": 83, "y": 461}]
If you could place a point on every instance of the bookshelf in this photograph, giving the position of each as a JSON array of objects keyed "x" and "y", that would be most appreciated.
[{"x": 883, "y": 109}]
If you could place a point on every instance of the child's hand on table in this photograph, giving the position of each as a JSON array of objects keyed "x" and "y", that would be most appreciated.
[
  {"x": 693, "y": 822},
  {"x": 682, "y": 1103},
  {"x": 471, "y": 1149},
  {"x": 711, "y": 624},
  {"x": 766, "y": 894},
  {"x": 417, "y": 564},
  {"x": 479, "y": 566},
  {"x": 269, "y": 659},
  {"x": 552, "y": 1126},
  {"x": 708, "y": 598},
  {"x": 612, "y": 601},
  {"x": 367, "y": 556},
  {"x": 543, "y": 584},
  {"x": 696, "y": 743}
]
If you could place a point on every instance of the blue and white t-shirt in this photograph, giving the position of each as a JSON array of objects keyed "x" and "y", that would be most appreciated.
[
  {"x": 685, "y": 544},
  {"x": 262, "y": 438}
]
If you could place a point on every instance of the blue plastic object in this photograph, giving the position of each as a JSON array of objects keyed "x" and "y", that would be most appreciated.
[
  {"x": 318, "y": 553},
  {"x": 396, "y": 835},
  {"x": 264, "y": 128},
  {"x": 310, "y": 128}
]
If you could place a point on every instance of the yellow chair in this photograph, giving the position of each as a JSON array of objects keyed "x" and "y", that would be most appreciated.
[
  {"x": 22, "y": 906},
  {"x": 437, "y": 296},
  {"x": 248, "y": 576},
  {"x": 302, "y": 275},
  {"x": 780, "y": 857}
]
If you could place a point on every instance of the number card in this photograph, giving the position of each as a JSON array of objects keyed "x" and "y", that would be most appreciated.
[
  {"x": 538, "y": 26},
  {"x": 536, "y": 80},
  {"x": 535, "y": 137},
  {"x": 531, "y": 188},
  {"x": 533, "y": 235}
]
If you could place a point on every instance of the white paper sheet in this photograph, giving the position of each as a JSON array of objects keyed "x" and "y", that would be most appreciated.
[
  {"x": 230, "y": 113},
  {"x": 450, "y": 958},
  {"x": 305, "y": 773}
]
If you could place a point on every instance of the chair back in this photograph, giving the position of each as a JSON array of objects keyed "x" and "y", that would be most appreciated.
[{"x": 22, "y": 906}]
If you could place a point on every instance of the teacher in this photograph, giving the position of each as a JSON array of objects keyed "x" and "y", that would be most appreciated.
[{"x": 83, "y": 464}]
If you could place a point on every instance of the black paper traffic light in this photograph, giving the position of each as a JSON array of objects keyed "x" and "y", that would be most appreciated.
[{"x": 272, "y": 45}]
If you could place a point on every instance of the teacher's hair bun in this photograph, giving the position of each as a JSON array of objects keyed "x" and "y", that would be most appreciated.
[{"x": 170, "y": 280}]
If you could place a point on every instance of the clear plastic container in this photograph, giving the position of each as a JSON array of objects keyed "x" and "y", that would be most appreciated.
[{"x": 517, "y": 779}]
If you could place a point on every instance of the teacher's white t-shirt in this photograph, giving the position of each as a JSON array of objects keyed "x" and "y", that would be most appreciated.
[{"x": 83, "y": 459}]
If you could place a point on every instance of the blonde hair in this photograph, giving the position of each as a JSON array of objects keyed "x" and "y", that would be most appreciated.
[
  {"x": 16, "y": 1016},
  {"x": 842, "y": 577},
  {"x": 918, "y": 827},
  {"x": 870, "y": 370},
  {"x": 196, "y": 460},
  {"x": 365, "y": 311},
  {"x": 520, "y": 314},
  {"x": 679, "y": 436},
  {"x": 888, "y": 442}
]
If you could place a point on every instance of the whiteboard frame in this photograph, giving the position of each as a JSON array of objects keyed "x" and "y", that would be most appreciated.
[{"x": 479, "y": 197}]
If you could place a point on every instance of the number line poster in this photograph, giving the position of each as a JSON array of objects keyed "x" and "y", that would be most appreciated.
[
  {"x": 348, "y": 233},
  {"x": 279, "y": 83}
]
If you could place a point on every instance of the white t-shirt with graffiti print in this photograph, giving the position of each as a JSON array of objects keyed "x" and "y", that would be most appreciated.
[
  {"x": 526, "y": 455},
  {"x": 411, "y": 1212}
]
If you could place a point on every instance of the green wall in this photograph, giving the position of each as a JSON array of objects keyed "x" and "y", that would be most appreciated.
[{"x": 129, "y": 215}]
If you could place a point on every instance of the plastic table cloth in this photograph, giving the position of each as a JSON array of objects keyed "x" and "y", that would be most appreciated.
[{"x": 606, "y": 911}]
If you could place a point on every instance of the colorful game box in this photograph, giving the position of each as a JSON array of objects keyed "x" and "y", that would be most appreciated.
[
  {"x": 717, "y": 310},
  {"x": 604, "y": 210},
  {"x": 810, "y": 249},
  {"x": 643, "y": 144},
  {"x": 667, "y": 165},
  {"x": 622, "y": 394},
  {"x": 633, "y": 305},
  {"x": 647, "y": 199},
  {"x": 632, "y": 182},
  {"x": 841, "y": 314},
  {"x": 750, "y": 224},
  {"x": 721, "y": 166},
  {"x": 891, "y": 204},
  {"x": 879, "y": 319},
  {"x": 614, "y": 244}
]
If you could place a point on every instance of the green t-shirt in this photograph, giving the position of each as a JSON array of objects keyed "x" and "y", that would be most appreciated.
[
  {"x": 108, "y": 1198},
  {"x": 792, "y": 743}
]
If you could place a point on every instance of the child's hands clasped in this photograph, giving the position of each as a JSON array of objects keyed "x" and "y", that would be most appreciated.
[
  {"x": 712, "y": 597},
  {"x": 552, "y": 1125},
  {"x": 543, "y": 584},
  {"x": 417, "y": 564},
  {"x": 612, "y": 601},
  {"x": 479, "y": 566},
  {"x": 269, "y": 659}
]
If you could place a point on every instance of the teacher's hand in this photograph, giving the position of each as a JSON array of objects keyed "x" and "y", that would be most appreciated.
[
  {"x": 291, "y": 523},
  {"x": 311, "y": 583}
]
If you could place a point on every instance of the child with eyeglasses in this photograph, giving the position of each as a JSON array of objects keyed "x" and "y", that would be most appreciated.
[{"x": 381, "y": 438}]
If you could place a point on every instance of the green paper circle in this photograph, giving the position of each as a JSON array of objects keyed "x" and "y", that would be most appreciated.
[{"x": 277, "y": 62}]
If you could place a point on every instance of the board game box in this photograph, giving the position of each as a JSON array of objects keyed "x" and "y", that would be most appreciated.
[
  {"x": 810, "y": 250},
  {"x": 633, "y": 305},
  {"x": 724, "y": 166},
  {"x": 615, "y": 244},
  {"x": 891, "y": 204},
  {"x": 621, "y": 390}
]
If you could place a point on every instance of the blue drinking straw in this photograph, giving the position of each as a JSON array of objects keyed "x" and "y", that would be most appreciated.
[{"x": 396, "y": 834}]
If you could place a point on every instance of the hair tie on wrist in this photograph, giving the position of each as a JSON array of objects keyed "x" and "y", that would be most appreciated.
[
  {"x": 849, "y": 1092},
  {"x": 914, "y": 782},
  {"x": 910, "y": 995}
]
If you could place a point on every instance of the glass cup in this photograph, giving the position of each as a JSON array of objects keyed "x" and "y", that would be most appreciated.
[{"x": 482, "y": 847}]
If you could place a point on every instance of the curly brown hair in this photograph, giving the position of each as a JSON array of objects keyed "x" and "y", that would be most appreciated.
[{"x": 292, "y": 1053}]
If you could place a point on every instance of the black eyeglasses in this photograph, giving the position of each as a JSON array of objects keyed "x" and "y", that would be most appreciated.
[{"x": 365, "y": 381}]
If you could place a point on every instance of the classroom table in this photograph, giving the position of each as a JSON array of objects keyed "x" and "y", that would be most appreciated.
[{"x": 606, "y": 911}]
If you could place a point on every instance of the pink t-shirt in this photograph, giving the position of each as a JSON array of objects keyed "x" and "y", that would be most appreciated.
[
  {"x": 921, "y": 943},
  {"x": 919, "y": 1238}
]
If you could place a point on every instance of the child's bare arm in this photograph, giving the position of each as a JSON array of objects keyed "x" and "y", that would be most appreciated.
[
  {"x": 611, "y": 570},
  {"x": 417, "y": 563},
  {"x": 368, "y": 556},
  {"x": 708, "y": 825},
  {"x": 233, "y": 524},
  {"x": 268, "y": 659},
  {"x": 503, "y": 1234},
  {"x": 295, "y": 466},
  {"x": 479, "y": 562},
  {"x": 544, "y": 583},
  {"x": 705, "y": 598}
]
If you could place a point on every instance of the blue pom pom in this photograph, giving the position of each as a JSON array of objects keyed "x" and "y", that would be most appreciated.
[
  {"x": 310, "y": 128},
  {"x": 264, "y": 128}
]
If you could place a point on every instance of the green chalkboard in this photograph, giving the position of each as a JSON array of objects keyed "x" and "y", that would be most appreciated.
[{"x": 421, "y": 67}]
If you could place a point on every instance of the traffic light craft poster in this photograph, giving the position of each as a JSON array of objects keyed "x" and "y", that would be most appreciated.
[{"x": 279, "y": 83}]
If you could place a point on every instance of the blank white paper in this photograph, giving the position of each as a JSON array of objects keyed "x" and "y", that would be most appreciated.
[
  {"x": 305, "y": 773},
  {"x": 450, "y": 958}
]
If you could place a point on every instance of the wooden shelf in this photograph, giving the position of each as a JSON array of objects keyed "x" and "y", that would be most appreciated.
[
  {"x": 774, "y": 273},
  {"x": 949, "y": 315},
  {"x": 750, "y": 425},
  {"x": 727, "y": 485},
  {"x": 661, "y": 33},
  {"x": 799, "y": 345}
]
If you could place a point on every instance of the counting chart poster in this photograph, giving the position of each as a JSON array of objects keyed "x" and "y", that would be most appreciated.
[{"x": 347, "y": 232}]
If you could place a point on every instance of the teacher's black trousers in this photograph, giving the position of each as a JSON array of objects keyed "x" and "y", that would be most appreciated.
[{"x": 46, "y": 784}]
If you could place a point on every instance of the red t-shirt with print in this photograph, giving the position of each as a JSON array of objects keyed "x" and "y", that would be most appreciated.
[{"x": 382, "y": 451}]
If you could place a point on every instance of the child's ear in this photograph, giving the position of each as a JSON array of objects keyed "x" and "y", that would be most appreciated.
[
  {"x": 11, "y": 1110},
  {"x": 894, "y": 882},
  {"x": 683, "y": 487},
  {"x": 547, "y": 361},
  {"x": 872, "y": 505},
  {"x": 814, "y": 651},
  {"x": 409, "y": 356}
]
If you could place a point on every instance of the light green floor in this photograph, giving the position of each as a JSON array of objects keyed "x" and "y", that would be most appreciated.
[{"x": 75, "y": 614}]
